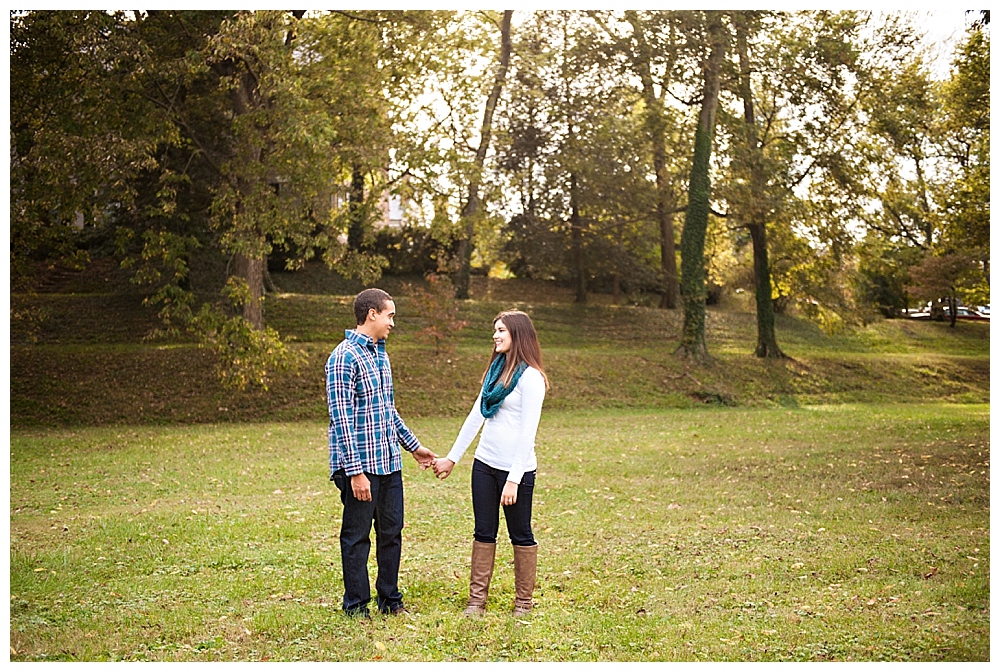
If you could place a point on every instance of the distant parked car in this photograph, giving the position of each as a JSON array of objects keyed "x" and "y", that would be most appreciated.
[
  {"x": 964, "y": 313},
  {"x": 941, "y": 312}
]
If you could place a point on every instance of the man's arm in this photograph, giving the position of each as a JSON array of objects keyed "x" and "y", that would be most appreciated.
[
  {"x": 341, "y": 377},
  {"x": 410, "y": 442}
]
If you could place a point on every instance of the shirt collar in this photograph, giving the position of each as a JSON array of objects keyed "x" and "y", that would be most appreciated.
[{"x": 363, "y": 339}]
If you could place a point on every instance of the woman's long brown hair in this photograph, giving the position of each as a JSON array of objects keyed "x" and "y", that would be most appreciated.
[{"x": 524, "y": 346}]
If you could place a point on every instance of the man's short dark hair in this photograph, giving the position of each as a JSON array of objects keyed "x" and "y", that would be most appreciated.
[{"x": 367, "y": 300}]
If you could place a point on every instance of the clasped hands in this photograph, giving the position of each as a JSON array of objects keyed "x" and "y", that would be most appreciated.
[{"x": 442, "y": 467}]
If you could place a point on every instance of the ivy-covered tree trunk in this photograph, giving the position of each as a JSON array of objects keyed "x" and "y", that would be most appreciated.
[
  {"x": 471, "y": 208},
  {"x": 693, "y": 292},
  {"x": 767, "y": 342}
]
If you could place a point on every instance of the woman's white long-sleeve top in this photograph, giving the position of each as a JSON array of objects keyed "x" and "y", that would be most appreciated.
[{"x": 508, "y": 439}]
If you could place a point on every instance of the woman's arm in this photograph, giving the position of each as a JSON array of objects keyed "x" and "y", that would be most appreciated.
[
  {"x": 475, "y": 419},
  {"x": 470, "y": 428},
  {"x": 532, "y": 386}
]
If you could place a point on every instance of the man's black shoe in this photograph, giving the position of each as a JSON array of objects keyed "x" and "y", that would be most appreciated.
[{"x": 398, "y": 610}]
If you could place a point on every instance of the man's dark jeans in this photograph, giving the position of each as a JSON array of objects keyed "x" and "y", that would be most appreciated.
[
  {"x": 386, "y": 511},
  {"x": 487, "y": 485}
]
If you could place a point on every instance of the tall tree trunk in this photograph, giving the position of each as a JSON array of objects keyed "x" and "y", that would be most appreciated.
[
  {"x": 656, "y": 128},
  {"x": 767, "y": 342},
  {"x": 252, "y": 271},
  {"x": 471, "y": 208},
  {"x": 464, "y": 254},
  {"x": 756, "y": 216},
  {"x": 250, "y": 265},
  {"x": 355, "y": 209},
  {"x": 693, "y": 273},
  {"x": 925, "y": 207},
  {"x": 576, "y": 234},
  {"x": 668, "y": 253},
  {"x": 616, "y": 287}
]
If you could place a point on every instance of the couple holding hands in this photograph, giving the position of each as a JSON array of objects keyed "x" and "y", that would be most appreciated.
[{"x": 366, "y": 433}]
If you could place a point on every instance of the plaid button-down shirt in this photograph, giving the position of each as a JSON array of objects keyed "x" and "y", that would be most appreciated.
[{"x": 365, "y": 428}]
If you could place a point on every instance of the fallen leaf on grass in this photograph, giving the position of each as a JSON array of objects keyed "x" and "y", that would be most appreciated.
[
  {"x": 380, "y": 646},
  {"x": 934, "y": 570}
]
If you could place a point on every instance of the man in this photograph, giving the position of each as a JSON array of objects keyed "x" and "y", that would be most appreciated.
[{"x": 365, "y": 461}]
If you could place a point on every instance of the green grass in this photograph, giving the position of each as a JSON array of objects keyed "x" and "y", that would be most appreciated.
[
  {"x": 833, "y": 506},
  {"x": 821, "y": 533}
]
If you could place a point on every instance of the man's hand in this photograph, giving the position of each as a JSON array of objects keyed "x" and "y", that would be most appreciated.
[
  {"x": 361, "y": 487},
  {"x": 443, "y": 467},
  {"x": 424, "y": 457},
  {"x": 509, "y": 494}
]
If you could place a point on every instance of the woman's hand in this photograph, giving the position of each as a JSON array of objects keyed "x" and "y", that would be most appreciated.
[
  {"x": 509, "y": 494},
  {"x": 443, "y": 467}
]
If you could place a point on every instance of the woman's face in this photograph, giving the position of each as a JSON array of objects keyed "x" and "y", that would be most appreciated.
[{"x": 501, "y": 337}]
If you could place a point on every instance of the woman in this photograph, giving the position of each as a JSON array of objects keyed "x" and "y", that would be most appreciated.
[{"x": 503, "y": 474}]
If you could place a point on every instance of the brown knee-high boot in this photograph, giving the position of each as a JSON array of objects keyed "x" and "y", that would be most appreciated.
[
  {"x": 525, "y": 567},
  {"x": 479, "y": 577}
]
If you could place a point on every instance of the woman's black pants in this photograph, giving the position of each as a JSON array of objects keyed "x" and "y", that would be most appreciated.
[{"x": 487, "y": 484}]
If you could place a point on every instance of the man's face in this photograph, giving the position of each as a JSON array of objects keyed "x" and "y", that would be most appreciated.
[{"x": 382, "y": 323}]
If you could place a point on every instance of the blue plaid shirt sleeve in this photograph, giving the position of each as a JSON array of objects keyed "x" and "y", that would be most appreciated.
[
  {"x": 340, "y": 390},
  {"x": 406, "y": 437}
]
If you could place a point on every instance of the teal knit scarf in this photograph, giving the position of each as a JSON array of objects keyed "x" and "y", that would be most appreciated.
[{"x": 494, "y": 392}]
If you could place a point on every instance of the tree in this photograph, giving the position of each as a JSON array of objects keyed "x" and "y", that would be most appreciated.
[
  {"x": 693, "y": 291},
  {"x": 438, "y": 307},
  {"x": 752, "y": 205},
  {"x": 76, "y": 140},
  {"x": 270, "y": 111},
  {"x": 966, "y": 100},
  {"x": 470, "y": 211},
  {"x": 944, "y": 276},
  {"x": 651, "y": 54},
  {"x": 573, "y": 157},
  {"x": 805, "y": 79}
]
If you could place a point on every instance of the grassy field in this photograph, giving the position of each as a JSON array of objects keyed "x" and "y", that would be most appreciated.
[
  {"x": 835, "y": 532},
  {"x": 832, "y": 506}
]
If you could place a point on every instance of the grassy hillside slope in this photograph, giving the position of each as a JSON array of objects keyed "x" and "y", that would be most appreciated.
[{"x": 87, "y": 361}]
